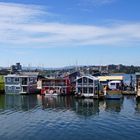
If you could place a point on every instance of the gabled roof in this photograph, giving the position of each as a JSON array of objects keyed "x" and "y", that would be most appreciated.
[{"x": 88, "y": 76}]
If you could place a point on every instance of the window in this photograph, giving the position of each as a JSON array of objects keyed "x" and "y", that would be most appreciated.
[
  {"x": 90, "y": 90},
  {"x": 24, "y": 81},
  {"x": 16, "y": 79},
  {"x": 79, "y": 90},
  {"x": 8, "y": 79},
  {"x": 79, "y": 81},
  {"x": 31, "y": 79},
  {"x": 9, "y": 88},
  {"x": 90, "y": 81},
  {"x": 112, "y": 84},
  {"x": 84, "y": 90},
  {"x": 17, "y": 88},
  {"x": 24, "y": 89},
  {"x": 84, "y": 80}
]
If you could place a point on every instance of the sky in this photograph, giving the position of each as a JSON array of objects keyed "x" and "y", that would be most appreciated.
[{"x": 58, "y": 33}]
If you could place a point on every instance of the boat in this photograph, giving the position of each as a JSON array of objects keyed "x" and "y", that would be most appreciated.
[
  {"x": 51, "y": 93},
  {"x": 113, "y": 90}
]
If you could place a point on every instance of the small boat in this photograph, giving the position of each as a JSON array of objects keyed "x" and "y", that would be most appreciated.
[
  {"x": 113, "y": 90},
  {"x": 51, "y": 93},
  {"x": 54, "y": 94}
]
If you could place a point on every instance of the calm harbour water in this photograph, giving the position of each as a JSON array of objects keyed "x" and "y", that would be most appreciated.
[{"x": 37, "y": 117}]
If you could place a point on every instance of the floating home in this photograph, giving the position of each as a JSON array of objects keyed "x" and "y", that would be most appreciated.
[
  {"x": 1, "y": 84},
  {"x": 54, "y": 85},
  {"x": 113, "y": 86},
  {"x": 87, "y": 86},
  {"x": 137, "y": 88},
  {"x": 104, "y": 80},
  {"x": 22, "y": 83}
]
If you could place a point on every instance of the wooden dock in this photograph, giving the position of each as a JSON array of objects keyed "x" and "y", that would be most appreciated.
[{"x": 128, "y": 92}]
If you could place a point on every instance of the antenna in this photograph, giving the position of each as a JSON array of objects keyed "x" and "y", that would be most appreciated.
[{"x": 76, "y": 65}]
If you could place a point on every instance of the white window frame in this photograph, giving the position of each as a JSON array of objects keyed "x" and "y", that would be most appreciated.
[
  {"x": 9, "y": 87},
  {"x": 8, "y": 79}
]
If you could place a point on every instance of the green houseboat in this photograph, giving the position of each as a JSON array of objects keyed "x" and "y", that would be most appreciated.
[{"x": 1, "y": 84}]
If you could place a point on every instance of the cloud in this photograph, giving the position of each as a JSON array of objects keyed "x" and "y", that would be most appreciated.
[
  {"x": 11, "y": 12},
  {"x": 17, "y": 28}
]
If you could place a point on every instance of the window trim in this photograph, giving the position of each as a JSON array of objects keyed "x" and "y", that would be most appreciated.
[{"x": 8, "y": 79}]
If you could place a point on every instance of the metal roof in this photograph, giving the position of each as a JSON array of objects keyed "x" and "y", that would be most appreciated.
[
  {"x": 137, "y": 73},
  {"x": 113, "y": 78}
]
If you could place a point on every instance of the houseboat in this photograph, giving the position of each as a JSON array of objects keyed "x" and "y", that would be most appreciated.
[
  {"x": 1, "y": 84},
  {"x": 137, "y": 86},
  {"x": 105, "y": 79},
  {"x": 113, "y": 90},
  {"x": 54, "y": 86},
  {"x": 22, "y": 83},
  {"x": 87, "y": 86}
]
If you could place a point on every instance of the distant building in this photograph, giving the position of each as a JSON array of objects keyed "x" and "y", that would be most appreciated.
[
  {"x": 16, "y": 68},
  {"x": 4, "y": 71},
  {"x": 104, "y": 69},
  {"x": 13, "y": 69},
  {"x": 22, "y": 83}
]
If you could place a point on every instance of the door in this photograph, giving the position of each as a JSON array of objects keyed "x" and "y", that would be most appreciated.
[{"x": 24, "y": 81}]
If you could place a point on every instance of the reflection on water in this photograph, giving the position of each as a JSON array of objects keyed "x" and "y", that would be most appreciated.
[
  {"x": 138, "y": 106},
  {"x": 17, "y": 102},
  {"x": 85, "y": 107},
  {"x": 38, "y": 117},
  {"x": 114, "y": 105}
]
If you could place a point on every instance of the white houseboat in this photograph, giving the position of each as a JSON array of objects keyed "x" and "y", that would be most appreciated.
[
  {"x": 22, "y": 83},
  {"x": 87, "y": 86}
]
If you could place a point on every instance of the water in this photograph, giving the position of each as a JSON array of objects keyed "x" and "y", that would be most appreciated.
[{"x": 62, "y": 118}]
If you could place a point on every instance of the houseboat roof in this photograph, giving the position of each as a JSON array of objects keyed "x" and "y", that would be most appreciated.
[
  {"x": 113, "y": 78},
  {"x": 52, "y": 79},
  {"x": 115, "y": 82},
  {"x": 23, "y": 74},
  {"x": 89, "y": 77}
]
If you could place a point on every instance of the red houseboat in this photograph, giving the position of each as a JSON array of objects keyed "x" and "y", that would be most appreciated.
[{"x": 56, "y": 86}]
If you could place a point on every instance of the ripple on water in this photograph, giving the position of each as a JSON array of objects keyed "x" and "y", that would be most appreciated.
[{"x": 67, "y": 118}]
